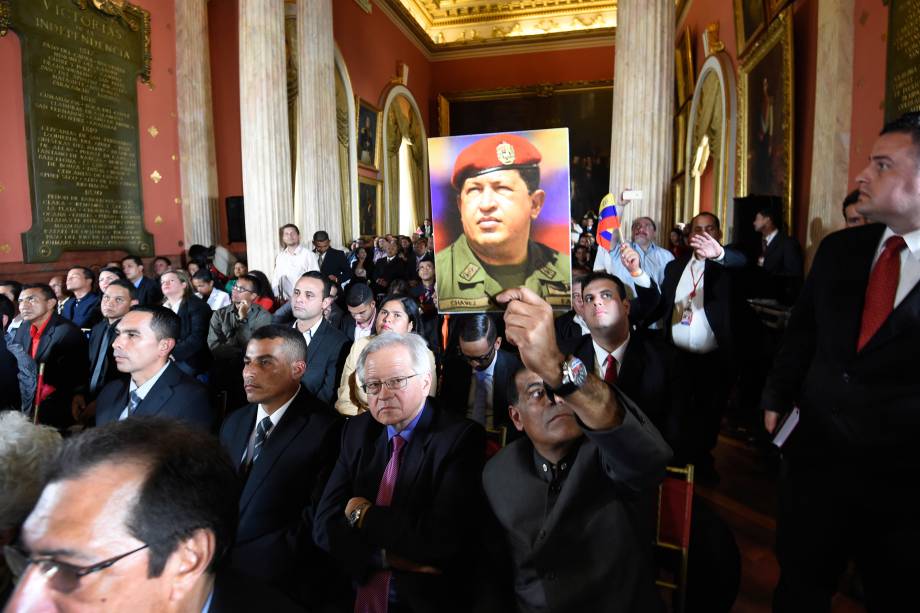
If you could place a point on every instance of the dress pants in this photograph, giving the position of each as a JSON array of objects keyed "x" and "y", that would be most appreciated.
[{"x": 830, "y": 512}]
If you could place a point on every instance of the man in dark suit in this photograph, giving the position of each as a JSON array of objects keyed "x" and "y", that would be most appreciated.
[
  {"x": 362, "y": 312},
  {"x": 403, "y": 507},
  {"x": 117, "y": 300},
  {"x": 390, "y": 268},
  {"x": 285, "y": 443},
  {"x": 152, "y": 496},
  {"x": 327, "y": 347},
  {"x": 57, "y": 344},
  {"x": 849, "y": 362},
  {"x": 779, "y": 260},
  {"x": 144, "y": 341},
  {"x": 709, "y": 324},
  {"x": 332, "y": 262},
  {"x": 571, "y": 496},
  {"x": 474, "y": 381},
  {"x": 83, "y": 308},
  {"x": 148, "y": 290}
]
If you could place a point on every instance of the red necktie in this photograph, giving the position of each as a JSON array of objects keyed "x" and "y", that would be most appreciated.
[
  {"x": 880, "y": 293},
  {"x": 610, "y": 375},
  {"x": 373, "y": 596},
  {"x": 36, "y": 336}
]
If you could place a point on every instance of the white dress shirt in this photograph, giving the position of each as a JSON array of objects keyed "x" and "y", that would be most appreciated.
[
  {"x": 601, "y": 356},
  {"x": 697, "y": 337},
  {"x": 289, "y": 266},
  {"x": 261, "y": 414},
  {"x": 144, "y": 389},
  {"x": 488, "y": 380},
  {"x": 367, "y": 330},
  {"x": 910, "y": 262},
  {"x": 308, "y": 335},
  {"x": 652, "y": 261},
  {"x": 174, "y": 307},
  {"x": 218, "y": 299}
]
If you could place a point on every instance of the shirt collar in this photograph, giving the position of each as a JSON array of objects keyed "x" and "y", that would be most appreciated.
[
  {"x": 911, "y": 238},
  {"x": 261, "y": 413},
  {"x": 490, "y": 371},
  {"x": 600, "y": 354},
  {"x": 548, "y": 471},
  {"x": 406, "y": 433},
  {"x": 144, "y": 389},
  {"x": 769, "y": 237}
]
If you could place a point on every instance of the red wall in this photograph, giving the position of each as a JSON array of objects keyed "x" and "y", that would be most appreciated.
[
  {"x": 224, "y": 35},
  {"x": 156, "y": 107},
  {"x": 870, "y": 25}
]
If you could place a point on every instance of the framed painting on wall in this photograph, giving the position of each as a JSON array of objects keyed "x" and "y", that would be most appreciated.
[
  {"x": 680, "y": 140},
  {"x": 750, "y": 21},
  {"x": 683, "y": 68},
  {"x": 370, "y": 206},
  {"x": 369, "y": 130},
  {"x": 765, "y": 132}
]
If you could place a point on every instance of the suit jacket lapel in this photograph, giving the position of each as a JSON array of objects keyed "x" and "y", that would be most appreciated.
[
  {"x": 413, "y": 455},
  {"x": 316, "y": 342},
  {"x": 46, "y": 340},
  {"x": 903, "y": 317},
  {"x": 292, "y": 422},
  {"x": 161, "y": 392},
  {"x": 850, "y": 292},
  {"x": 633, "y": 365},
  {"x": 239, "y": 438}
]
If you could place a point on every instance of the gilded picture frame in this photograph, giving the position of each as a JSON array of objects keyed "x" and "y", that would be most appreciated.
[
  {"x": 370, "y": 206},
  {"x": 680, "y": 140},
  {"x": 750, "y": 22},
  {"x": 683, "y": 69},
  {"x": 766, "y": 119},
  {"x": 368, "y": 133}
]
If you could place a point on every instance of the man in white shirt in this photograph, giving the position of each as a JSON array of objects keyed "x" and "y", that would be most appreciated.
[
  {"x": 294, "y": 260},
  {"x": 652, "y": 258},
  {"x": 707, "y": 320}
]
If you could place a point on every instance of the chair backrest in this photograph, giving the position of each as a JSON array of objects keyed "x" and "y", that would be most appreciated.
[{"x": 672, "y": 539}]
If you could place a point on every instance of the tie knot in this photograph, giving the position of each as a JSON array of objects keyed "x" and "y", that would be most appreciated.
[
  {"x": 895, "y": 244},
  {"x": 398, "y": 443},
  {"x": 135, "y": 398},
  {"x": 265, "y": 425}
]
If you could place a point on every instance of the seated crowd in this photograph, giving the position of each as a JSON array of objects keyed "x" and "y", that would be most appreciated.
[{"x": 322, "y": 439}]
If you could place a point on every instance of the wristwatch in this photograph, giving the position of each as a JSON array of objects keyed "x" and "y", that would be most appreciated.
[
  {"x": 574, "y": 375},
  {"x": 354, "y": 519}
]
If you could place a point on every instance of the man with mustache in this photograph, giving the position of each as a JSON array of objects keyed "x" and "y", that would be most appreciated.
[
  {"x": 570, "y": 495},
  {"x": 497, "y": 180}
]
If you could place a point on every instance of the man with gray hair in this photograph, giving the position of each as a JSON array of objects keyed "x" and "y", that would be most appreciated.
[
  {"x": 25, "y": 452},
  {"x": 417, "y": 547}
]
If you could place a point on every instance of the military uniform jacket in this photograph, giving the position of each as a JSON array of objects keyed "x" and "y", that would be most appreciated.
[{"x": 464, "y": 284}]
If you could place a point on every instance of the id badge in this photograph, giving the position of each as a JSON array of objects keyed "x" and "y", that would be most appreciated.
[{"x": 687, "y": 318}]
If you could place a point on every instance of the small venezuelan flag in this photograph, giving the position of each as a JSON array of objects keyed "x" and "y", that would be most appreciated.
[{"x": 608, "y": 223}]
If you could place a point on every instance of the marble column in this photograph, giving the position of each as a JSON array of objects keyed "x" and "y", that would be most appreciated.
[
  {"x": 265, "y": 143},
  {"x": 833, "y": 108},
  {"x": 643, "y": 108},
  {"x": 197, "y": 156},
  {"x": 317, "y": 198}
]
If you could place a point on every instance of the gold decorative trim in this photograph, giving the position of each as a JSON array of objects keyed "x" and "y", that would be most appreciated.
[
  {"x": 152, "y": 130},
  {"x": 156, "y": 177},
  {"x": 5, "y": 248},
  {"x": 2, "y": 188},
  {"x": 5, "y": 12},
  {"x": 779, "y": 33},
  {"x": 133, "y": 17},
  {"x": 158, "y": 220}
]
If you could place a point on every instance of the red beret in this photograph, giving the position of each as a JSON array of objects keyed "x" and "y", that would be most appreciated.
[{"x": 496, "y": 152}]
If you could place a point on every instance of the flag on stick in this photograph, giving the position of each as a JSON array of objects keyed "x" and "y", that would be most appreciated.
[{"x": 608, "y": 222}]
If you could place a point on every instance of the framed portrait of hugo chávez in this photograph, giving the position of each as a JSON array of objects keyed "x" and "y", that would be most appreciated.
[
  {"x": 750, "y": 21},
  {"x": 501, "y": 208},
  {"x": 765, "y": 117},
  {"x": 370, "y": 207},
  {"x": 369, "y": 130}
]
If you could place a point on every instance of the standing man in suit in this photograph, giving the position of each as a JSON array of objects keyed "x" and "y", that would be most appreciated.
[
  {"x": 332, "y": 262},
  {"x": 57, "y": 344},
  {"x": 148, "y": 290},
  {"x": 474, "y": 381},
  {"x": 849, "y": 362},
  {"x": 327, "y": 347},
  {"x": 144, "y": 341},
  {"x": 117, "y": 300},
  {"x": 285, "y": 444},
  {"x": 362, "y": 312},
  {"x": 571, "y": 495},
  {"x": 83, "y": 309},
  {"x": 403, "y": 507},
  {"x": 780, "y": 259},
  {"x": 707, "y": 321}
]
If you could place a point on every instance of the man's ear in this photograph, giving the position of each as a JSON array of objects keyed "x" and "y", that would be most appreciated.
[
  {"x": 498, "y": 342},
  {"x": 537, "y": 198},
  {"x": 188, "y": 564},
  {"x": 167, "y": 345},
  {"x": 298, "y": 368},
  {"x": 515, "y": 414}
]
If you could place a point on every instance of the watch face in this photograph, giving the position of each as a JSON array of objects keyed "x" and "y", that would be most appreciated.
[{"x": 579, "y": 371}]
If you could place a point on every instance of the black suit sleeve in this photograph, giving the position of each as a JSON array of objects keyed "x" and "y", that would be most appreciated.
[{"x": 195, "y": 327}]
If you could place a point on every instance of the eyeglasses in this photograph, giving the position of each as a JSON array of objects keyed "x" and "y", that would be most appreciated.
[
  {"x": 395, "y": 383},
  {"x": 479, "y": 359},
  {"x": 61, "y": 576},
  {"x": 240, "y": 290}
]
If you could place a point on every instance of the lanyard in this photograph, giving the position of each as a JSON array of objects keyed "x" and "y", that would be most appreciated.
[{"x": 696, "y": 281}]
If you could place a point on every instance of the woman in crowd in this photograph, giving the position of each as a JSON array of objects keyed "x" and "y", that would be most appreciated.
[
  {"x": 363, "y": 267},
  {"x": 239, "y": 269},
  {"x": 266, "y": 298},
  {"x": 396, "y": 314},
  {"x": 191, "y": 352}
]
